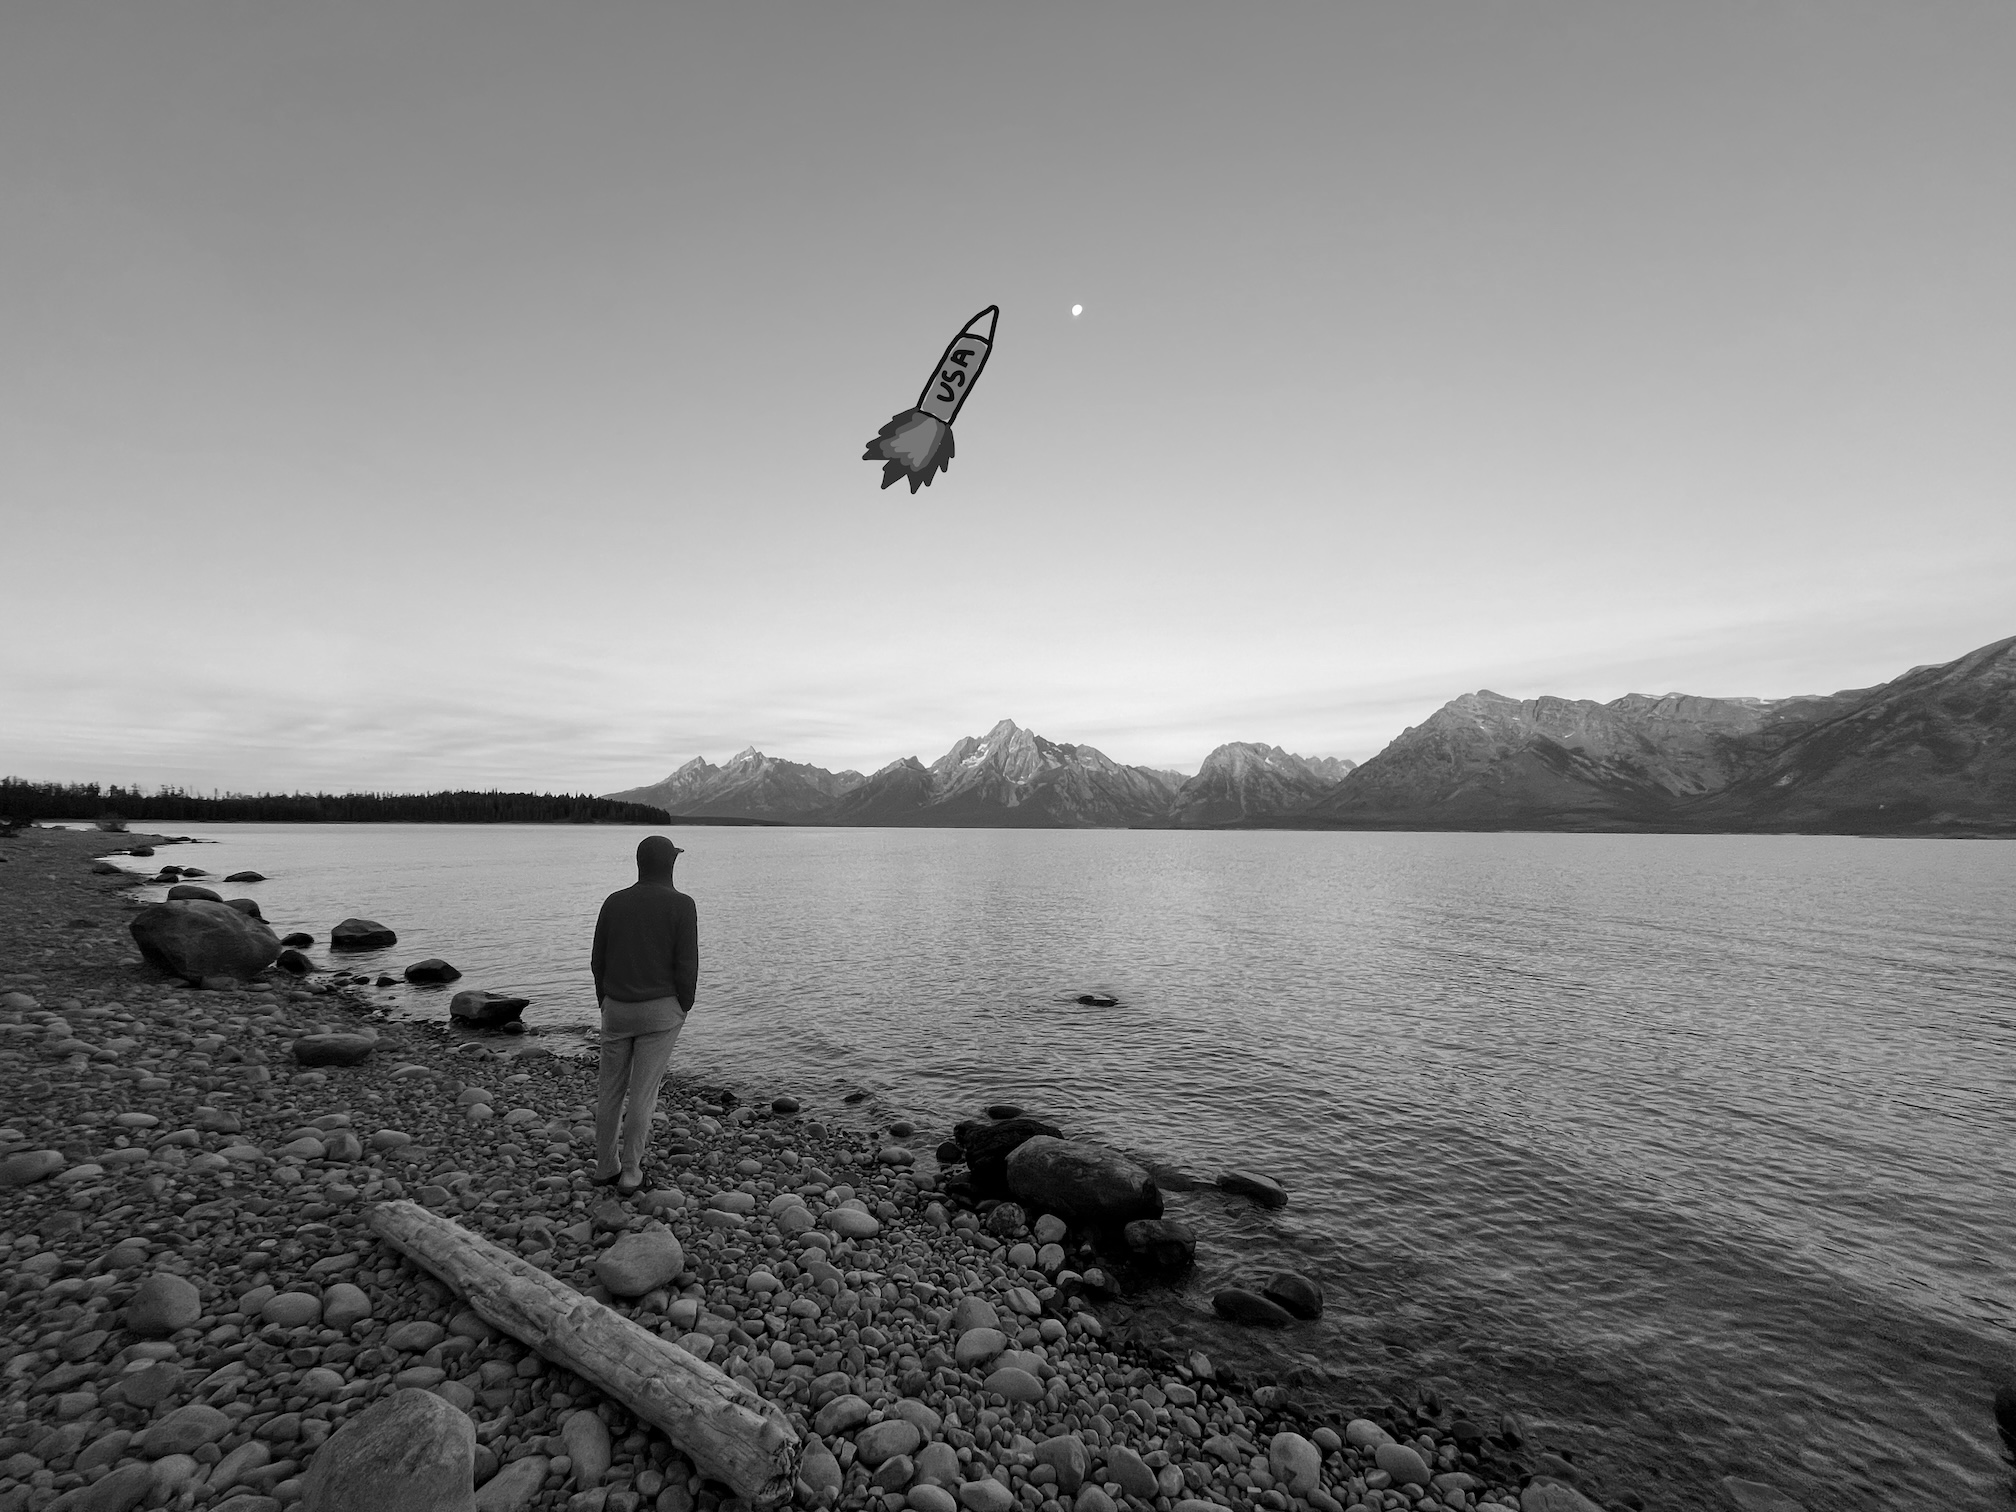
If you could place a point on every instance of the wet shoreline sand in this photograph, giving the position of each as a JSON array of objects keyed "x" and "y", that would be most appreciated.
[{"x": 188, "y": 1142}]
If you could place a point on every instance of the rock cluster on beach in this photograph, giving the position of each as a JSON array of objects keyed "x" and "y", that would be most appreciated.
[{"x": 198, "y": 1315}]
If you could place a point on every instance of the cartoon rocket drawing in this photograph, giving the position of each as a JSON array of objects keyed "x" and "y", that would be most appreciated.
[{"x": 917, "y": 444}]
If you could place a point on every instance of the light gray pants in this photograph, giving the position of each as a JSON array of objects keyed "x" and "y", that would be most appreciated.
[{"x": 633, "y": 1066}]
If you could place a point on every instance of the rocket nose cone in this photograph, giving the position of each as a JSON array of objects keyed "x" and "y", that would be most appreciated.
[{"x": 982, "y": 325}]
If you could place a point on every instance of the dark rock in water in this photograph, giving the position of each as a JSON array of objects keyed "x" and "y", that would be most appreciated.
[
  {"x": 292, "y": 961},
  {"x": 988, "y": 1146},
  {"x": 1003, "y": 1110},
  {"x": 1161, "y": 1244},
  {"x": 245, "y": 906},
  {"x": 182, "y": 890},
  {"x": 951, "y": 1152},
  {"x": 1296, "y": 1292},
  {"x": 783, "y": 1106},
  {"x": 1080, "y": 1182},
  {"x": 82, "y": 924},
  {"x": 197, "y": 938},
  {"x": 1262, "y": 1189},
  {"x": 431, "y": 970},
  {"x": 1241, "y": 1306},
  {"x": 1098, "y": 1000},
  {"x": 902, "y": 1128},
  {"x": 141, "y": 850},
  {"x": 383, "y": 979},
  {"x": 298, "y": 940},
  {"x": 246, "y": 876},
  {"x": 1511, "y": 1430},
  {"x": 361, "y": 934},
  {"x": 334, "y": 1049},
  {"x": 1467, "y": 1434},
  {"x": 511, "y": 1026},
  {"x": 1172, "y": 1180},
  {"x": 2005, "y": 1410},
  {"x": 477, "y": 1009},
  {"x": 855, "y": 1097},
  {"x": 191, "y": 871}
]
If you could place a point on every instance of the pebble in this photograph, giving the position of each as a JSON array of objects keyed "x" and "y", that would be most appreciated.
[{"x": 163, "y": 1304}]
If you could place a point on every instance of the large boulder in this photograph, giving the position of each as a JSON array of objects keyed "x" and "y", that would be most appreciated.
[
  {"x": 474, "y": 1008},
  {"x": 988, "y": 1144},
  {"x": 1081, "y": 1182},
  {"x": 361, "y": 934},
  {"x": 413, "y": 1452},
  {"x": 195, "y": 938}
]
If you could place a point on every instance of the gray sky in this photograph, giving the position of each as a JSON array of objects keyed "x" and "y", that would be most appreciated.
[{"x": 422, "y": 394}]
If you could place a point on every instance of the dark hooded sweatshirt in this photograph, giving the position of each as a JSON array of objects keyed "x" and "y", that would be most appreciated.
[{"x": 647, "y": 945}]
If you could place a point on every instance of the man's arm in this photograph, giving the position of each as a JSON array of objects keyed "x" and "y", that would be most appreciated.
[
  {"x": 600, "y": 953},
  {"x": 685, "y": 952}
]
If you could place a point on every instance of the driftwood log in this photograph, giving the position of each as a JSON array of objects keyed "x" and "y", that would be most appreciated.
[{"x": 731, "y": 1433}]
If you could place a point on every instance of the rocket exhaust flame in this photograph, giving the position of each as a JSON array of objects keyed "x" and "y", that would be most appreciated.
[
  {"x": 917, "y": 443},
  {"x": 914, "y": 443}
]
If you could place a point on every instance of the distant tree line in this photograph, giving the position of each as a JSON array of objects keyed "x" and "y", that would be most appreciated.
[{"x": 21, "y": 800}]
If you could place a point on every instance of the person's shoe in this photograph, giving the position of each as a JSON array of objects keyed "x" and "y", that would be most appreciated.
[
  {"x": 610, "y": 1180},
  {"x": 628, "y": 1186}
]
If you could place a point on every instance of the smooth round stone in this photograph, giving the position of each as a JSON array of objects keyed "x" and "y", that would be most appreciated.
[
  {"x": 733, "y": 1202},
  {"x": 292, "y": 1310},
  {"x": 29, "y": 1166},
  {"x": 1295, "y": 1463},
  {"x": 977, "y": 1346},
  {"x": 415, "y": 1336},
  {"x": 136, "y": 1120},
  {"x": 1022, "y": 1256},
  {"x": 795, "y": 1220},
  {"x": 389, "y": 1139},
  {"x": 1014, "y": 1385},
  {"x": 783, "y": 1106},
  {"x": 886, "y": 1440},
  {"x": 1403, "y": 1463},
  {"x": 930, "y": 1497},
  {"x": 183, "y": 1431},
  {"x": 988, "y": 1495},
  {"x": 161, "y": 1305},
  {"x": 344, "y": 1305},
  {"x": 973, "y": 1312},
  {"x": 841, "y": 1415},
  {"x": 321, "y": 1383},
  {"x": 1363, "y": 1433},
  {"x": 852, "y": 1223}
]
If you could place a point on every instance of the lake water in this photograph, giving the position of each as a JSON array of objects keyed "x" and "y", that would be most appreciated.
[{"x": 1697, "y": 1151}]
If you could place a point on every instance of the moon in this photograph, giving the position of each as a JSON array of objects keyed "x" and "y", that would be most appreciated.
[{"x": 1076, "y": 311}]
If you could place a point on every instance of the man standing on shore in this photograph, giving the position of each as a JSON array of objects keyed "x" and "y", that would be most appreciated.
[{"x": 646, "y": 962}]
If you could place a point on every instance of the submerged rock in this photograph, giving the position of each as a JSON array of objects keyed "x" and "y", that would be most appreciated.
[
  {"x": 1262, "y": 1189},
  {"x": 431, "y": 970},
  {"x": 361, "y": 934},
  {"x": 476, "y": 1009},
  {"x": 1080, "y": 1181},
  {"x": 989, "y": 1144},
  {"x": 1296, "y": 1292},
  {"x": 1239, "y": 1305}
]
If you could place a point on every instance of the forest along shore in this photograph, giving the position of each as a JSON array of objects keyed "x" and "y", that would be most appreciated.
[{"x": 196, "y": 1306}]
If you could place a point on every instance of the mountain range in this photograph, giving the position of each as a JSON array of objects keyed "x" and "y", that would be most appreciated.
[{"x": 1930, "y": 752}]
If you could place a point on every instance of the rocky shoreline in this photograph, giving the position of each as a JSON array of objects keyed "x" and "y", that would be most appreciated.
[{"x": 197, "y": 1307}]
